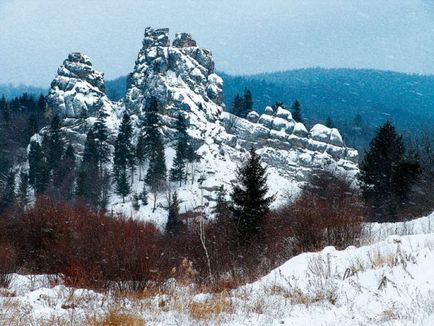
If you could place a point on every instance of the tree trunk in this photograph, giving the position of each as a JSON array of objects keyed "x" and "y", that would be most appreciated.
[{"x": 155, "y": 202}]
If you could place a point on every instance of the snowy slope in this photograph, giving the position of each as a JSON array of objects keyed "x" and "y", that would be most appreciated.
[{"x": 388, "y": 282}]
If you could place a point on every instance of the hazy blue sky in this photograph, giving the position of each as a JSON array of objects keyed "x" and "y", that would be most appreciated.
[{"x": 246, "y": 36}]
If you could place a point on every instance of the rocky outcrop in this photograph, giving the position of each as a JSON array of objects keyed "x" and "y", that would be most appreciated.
[
  {"x": 182, "y": 77},
  {"x": 328, "y": 135},
  {"x": 183, "y": 40},
  {"x": 278, "y": 133},
  {"x": 77, "y": 90}
]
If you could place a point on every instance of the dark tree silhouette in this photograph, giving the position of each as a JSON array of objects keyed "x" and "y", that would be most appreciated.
[
  {"x": 296, "y": 111},
  {"x": 250, "y": 203},
  {"x": 173, "y": 224},
  {"x": 387, "y": 174}
]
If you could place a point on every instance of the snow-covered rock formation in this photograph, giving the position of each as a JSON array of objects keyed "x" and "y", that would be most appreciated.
[
  {"x": 78, "y": 89},
  {"x": 182, "y": 77}
]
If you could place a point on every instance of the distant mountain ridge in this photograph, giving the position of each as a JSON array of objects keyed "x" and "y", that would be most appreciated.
[
  {"x": 408, "y": 100},
  {"x": 10, "y": 91}
]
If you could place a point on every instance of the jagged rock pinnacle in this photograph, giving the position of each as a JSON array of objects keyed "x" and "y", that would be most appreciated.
[
  {"x": 156, "y": 37},
  {"x": 181, "y": 76},
  {"x": 78, "y": 89},
  {"x": 183, "y": 40}
]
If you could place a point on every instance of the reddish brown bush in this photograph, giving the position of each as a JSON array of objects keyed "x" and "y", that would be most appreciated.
[
  {"x": 90, "y": 249},
  {"x": 328, "y": 213}
]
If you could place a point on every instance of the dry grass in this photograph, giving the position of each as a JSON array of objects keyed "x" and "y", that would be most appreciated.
[
  {"x": 7, "y": 294},
  {"x": 12, "y": 312},
  {"x": 379, "y": 259},
  {"x": 150, "y": 291},
  {"x": 211, "y": 308},
  {"x": 294, "y": 294},
  {"x": 318, "y": 291},
  {"x": 116, "y": 317}
]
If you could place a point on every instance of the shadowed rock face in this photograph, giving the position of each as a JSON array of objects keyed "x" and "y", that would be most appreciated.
[
  {"x": 156, "y": 37},
  {"x": 183, "y": 40}
]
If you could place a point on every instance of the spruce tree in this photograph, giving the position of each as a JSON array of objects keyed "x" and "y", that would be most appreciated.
[
  {"x": 237, "y": 105},
  {"x": 3, "y": 104},
  {"x": 156, "y": 174},
  {"x": 136, "y": 202},
  {"x": 296, "y": 111},
  {"x": 6, "y": 114},
  {"x": 385, "y": 173},
  {"x": 122, "y": 184},
  {"x": 32, "y": 126},
  {"x": 174, "y": 224},
  {"x": 124, "y": 153},
  {"x": 67, "y": 176},
  {"x": 178, "y": 171},
  {"x": 54, "y": 145},
  {"x": 41, "y": 104},
  {"x": 38, "y": 168},
  {"x": 101, "y": 134},
  {"x": 105, "y": 188},
  {"x": 250, "y": 203},
  {"x": 247, "y": 105},
  {"x": 5, "y": 159},
  {"x": 141, "y": 153},
  {"x": 192, "y": 157},
  {"x": 144, "y": 196},
  {"x": 221, "y": 210},
  {"x": 329, "y": 123},
  {"x": 358, "y": 121},
  {"x": 88, "y": 181}
]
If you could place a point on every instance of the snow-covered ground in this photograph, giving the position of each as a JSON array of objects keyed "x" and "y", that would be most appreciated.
[{"x": 388, "y": 281}]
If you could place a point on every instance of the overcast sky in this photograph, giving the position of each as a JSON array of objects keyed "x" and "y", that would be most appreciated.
[{"x": 246, "y": 36}]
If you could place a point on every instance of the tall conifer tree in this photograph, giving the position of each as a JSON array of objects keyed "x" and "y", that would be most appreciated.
[
  {"x": 54, "y": 145},
  {"x": 173, "y": 224},
  {"x": 38, "y": 168},
  {"x": 101, "y": 134},
  {"x": 250, "y": 203},
  {"x": 386, "y": 174},
  {"x": 88, "y": 183},
  {"x": 156, "y": 175},
  {"x": 296, "y": 112}
]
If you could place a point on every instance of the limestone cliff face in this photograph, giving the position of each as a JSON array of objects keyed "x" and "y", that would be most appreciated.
[{"x": 182, "y": 76}]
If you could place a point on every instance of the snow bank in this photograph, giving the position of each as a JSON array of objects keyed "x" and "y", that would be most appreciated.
[{"x": 388, "y": 282}]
